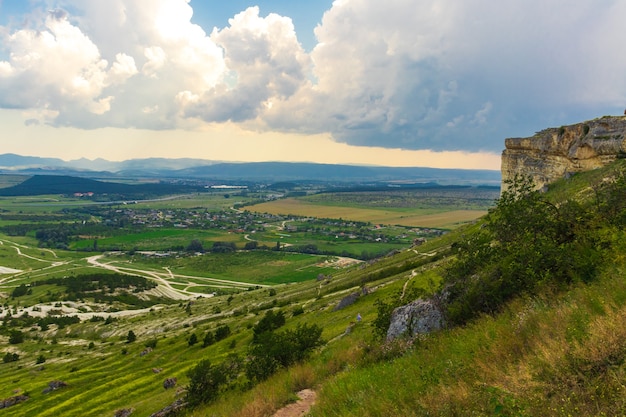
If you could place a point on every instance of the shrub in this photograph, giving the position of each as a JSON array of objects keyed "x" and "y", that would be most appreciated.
[
  {"x": 206, "y": 380},
  {"x": 270, "y": 322},
  {"x": 273, "y": 350},
  {"x": 16, "y": 337},
  {"x": 209, "y": 339},
  {"x": 131, "y": 337},
  {"x": 19, "y": 291},
  {"x": 222, "y": 332},
  {"x": 193, "y": 339},
  {"x": 527, "y": 243},
  {"x": 10, "y": 357}
]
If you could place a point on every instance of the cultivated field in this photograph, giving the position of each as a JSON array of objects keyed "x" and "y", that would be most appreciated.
[{"x": 442, "y": 208}]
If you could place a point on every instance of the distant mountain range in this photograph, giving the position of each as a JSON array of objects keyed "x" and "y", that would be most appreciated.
[{"x": 187, "y": 168}]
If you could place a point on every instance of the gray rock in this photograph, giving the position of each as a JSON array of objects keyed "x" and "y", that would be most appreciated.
[
  {"x": 54, "y": 385},
  {"x": 351, "y": 299},
  {"x": 125, "y": 412},
  {"x": 171, "y": 409},
  {"x": 170, "y": 383},
  {"x": 11, "y": 401},
  {"x": 419, "y": 317}
]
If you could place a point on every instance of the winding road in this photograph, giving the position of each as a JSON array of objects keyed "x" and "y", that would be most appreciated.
[{"x": 163, "y": 279}]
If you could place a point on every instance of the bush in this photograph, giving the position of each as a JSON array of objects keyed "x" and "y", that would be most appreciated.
[
  {"x": 206, "y": 381},
  {"x": 19, "y": 291},
  {"x": 222, "y": 332},
  {"x": 526, "y": 244},
  {"x": 16, "y": 337},
  {"x": 131, "y": 337},
  {"x": 209, "y": 339},
  {"x": 193, "y": 339},
  {"x": 10, "y": 357},
  {"x": 273, "y": 350},
  {"x": 195, "y": 246},
  {"x": 270, "y": 322}
]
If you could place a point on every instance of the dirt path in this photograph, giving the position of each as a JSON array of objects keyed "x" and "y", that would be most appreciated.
[{"x": 299, "y": 408}]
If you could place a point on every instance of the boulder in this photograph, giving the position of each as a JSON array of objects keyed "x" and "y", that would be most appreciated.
[
  {"x": 11, "y": 401},
  {"x": 54, "y": 385},
  {"x": 351, "y": 299},
  {"x": 419, "y": 317},
  {"x": 171, "y": 409},
  {"x": 169, "y": 382}
]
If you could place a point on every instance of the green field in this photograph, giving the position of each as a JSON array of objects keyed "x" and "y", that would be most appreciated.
[{"x": 445, "y": 209}]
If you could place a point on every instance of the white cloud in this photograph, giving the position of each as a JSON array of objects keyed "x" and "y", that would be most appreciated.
[
  {"x": 155, "y": 60},
  {"x": 420, "y": 74},
  {"x": 123, "y": 68},
  {"x": 56, "y": 66},
  {"x": 265, "y": 60}
]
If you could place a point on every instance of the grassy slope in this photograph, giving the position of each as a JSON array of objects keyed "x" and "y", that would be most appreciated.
[{"x": 556, "y": 354}]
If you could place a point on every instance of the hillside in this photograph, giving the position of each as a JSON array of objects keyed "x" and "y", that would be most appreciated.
[
  {"x": 68, "y": 185},
  {"x": 535, "y": 329}
]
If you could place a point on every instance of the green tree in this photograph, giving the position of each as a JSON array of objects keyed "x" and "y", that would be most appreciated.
[
  {"x": 193, "y": 339},
  {"x": 273, "y": 350},
  {"x": 206, "y": 381},
  {"x": 16, "y": 337},
  {"x": 209, "y": 339},
  {"x": 526, "y": 243},
  {"x": 195, "y": 246},
  {"x": 270, "y": 322},
  {"x": 222, "y": 332},
  {"x": 131, "y": 337},
  {"x": 19, "y": 291}
]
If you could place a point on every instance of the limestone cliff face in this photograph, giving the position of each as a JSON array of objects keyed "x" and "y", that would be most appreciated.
[{"x": 555, "y": 152}]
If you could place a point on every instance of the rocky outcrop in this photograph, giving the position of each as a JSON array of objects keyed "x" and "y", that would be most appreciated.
[
  {"x": 54, "y": 385},
  {"x": 419, "y": 317},
  {"x": 11, "y": 401},
  {"x": 557, "y": 152},
  {"x": 171, "y": 410},
  {"x": 351, "y": 299}
]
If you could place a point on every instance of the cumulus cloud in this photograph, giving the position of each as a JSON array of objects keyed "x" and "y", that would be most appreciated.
[
  {"x": 416, "y": 74},
  {"x": 54, "y": 66},
  {"x": 443, "y": 74},
  {"x": 108, "y": 62},
  {"x": 266, "y": 64}
]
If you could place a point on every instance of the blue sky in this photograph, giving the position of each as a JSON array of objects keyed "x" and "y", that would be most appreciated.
[
  {"x": 305, "y": 14},
  {"x": 402, "y": 82}
]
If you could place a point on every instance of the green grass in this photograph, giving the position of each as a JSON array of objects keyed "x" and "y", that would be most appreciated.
[
  {"x": 159, "y": 239},
  {"x": 557, "y": 353}
]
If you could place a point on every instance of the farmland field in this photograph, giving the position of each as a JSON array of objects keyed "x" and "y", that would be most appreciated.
[{"x": 441, "y": 208}]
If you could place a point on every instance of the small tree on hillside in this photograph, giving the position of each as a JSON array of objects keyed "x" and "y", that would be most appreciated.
[{"x": 16, "y": 337}]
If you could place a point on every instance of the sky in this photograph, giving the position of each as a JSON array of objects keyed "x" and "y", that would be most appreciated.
[{"x": 434, "y": 83}]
